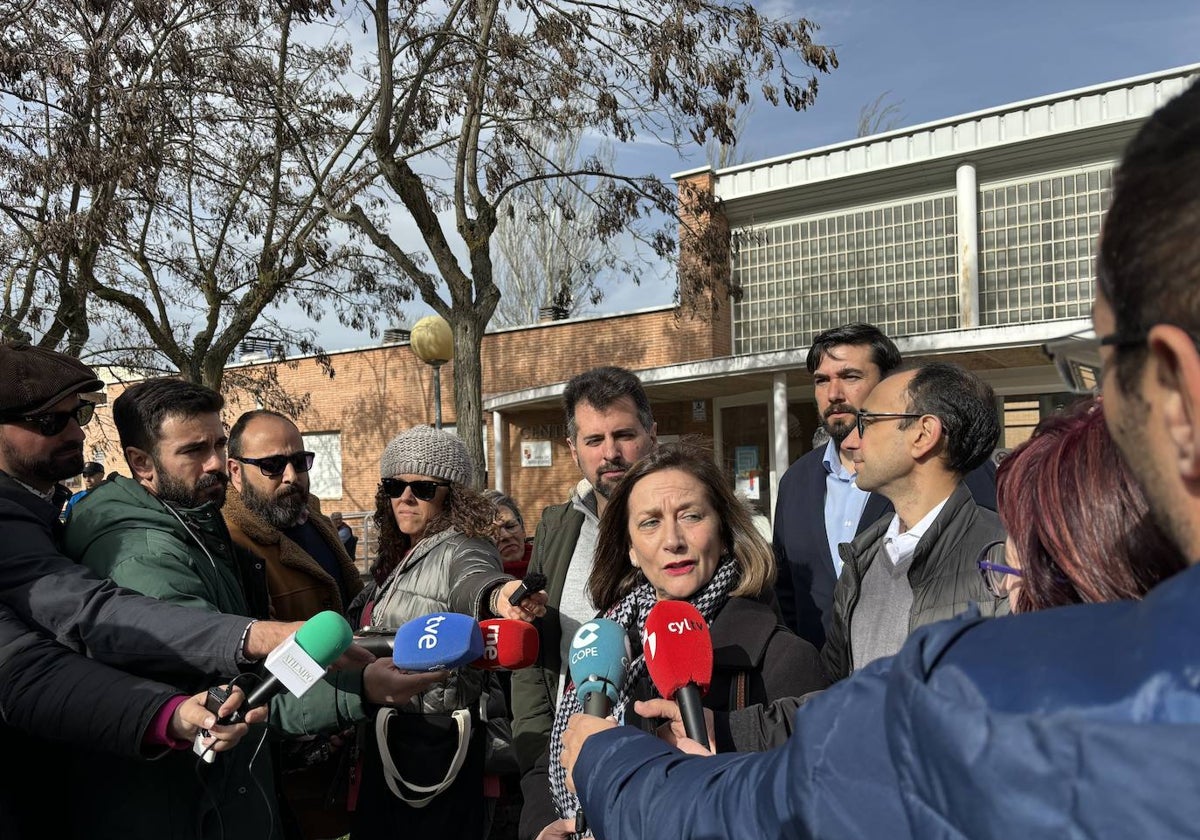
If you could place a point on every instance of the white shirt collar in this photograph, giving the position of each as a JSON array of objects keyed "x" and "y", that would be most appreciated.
[{"x": 901, "y": 547}]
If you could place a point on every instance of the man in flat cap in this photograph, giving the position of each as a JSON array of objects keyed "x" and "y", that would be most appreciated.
[{"x": 42, "y": 414}]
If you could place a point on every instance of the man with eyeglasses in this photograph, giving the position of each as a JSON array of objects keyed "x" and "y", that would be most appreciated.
[
  {"x": 1082, "y": 721},
  {"x": 820, "y": 505},
  {"x": 161, "y": 533},
  {"x": 273, "y": 516},
  {"x": 919, "y": 432}
]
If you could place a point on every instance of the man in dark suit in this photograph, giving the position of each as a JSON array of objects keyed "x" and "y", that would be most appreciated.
[{"x": 819, "y": 505}]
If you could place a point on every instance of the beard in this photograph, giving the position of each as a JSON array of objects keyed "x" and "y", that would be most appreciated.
[
  {"x": 839, "y": 430},
  {"x": 281, "y": 509},
  {"x": 605, "y": 486},
  {"x": 210, "y": 487},
  {"x": 51, "y": 467}
]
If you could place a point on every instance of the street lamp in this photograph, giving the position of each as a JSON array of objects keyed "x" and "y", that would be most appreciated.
[{"x": 433, "y": 342}]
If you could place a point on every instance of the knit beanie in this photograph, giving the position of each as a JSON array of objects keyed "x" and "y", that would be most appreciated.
[{"x": 424, "y": 450}]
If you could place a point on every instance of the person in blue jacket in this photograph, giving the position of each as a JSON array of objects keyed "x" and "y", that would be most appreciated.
[{"x": 1082, "y": 721}]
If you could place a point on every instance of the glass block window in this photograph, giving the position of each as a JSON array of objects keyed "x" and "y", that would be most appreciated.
[
  {"x": 894, "y": 266},
  {"x": 1036, "y": 246}
]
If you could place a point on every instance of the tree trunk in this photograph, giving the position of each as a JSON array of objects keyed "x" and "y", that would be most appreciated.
[{"x": 468, "y": 389}]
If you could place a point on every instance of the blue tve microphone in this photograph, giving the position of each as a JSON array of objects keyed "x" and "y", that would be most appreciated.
[
  {"x": 436, "y": 641},
  {"x": 599, "y": 658}
]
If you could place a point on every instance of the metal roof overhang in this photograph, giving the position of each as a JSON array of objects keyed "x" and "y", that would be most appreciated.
[{"x": 1009, "y": 358}]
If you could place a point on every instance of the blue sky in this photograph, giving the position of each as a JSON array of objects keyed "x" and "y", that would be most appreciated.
[{"x": 938, "y": 59}]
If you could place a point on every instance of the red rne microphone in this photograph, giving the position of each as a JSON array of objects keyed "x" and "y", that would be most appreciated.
[
  {"x": 508, "y": 645},
  {"x": 679, "y": 657}
]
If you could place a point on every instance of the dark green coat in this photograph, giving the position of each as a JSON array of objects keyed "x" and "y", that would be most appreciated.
[{"x": 186, "y": 556}]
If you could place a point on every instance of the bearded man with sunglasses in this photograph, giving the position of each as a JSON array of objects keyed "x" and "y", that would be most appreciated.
[{"x": 272, "y": 515}]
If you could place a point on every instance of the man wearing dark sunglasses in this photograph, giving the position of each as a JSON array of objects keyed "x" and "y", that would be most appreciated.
[{"x": 271, "y": 514}]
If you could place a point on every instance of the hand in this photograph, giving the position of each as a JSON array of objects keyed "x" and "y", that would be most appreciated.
[
  {"x": 265, "y": 636},
  {"x": 386, "y": 685},
  {"x": 672, "y": 731},
  {"x": 531, "y": 607},
  {"x": 354, "y": 658},
  {"x": 579, "y": 728},
  {"x": 191, "y": 716},
  {"x": 558, "y": 830}
]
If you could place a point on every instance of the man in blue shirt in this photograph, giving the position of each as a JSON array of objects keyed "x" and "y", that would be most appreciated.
[{"x": 93, "y": 474}]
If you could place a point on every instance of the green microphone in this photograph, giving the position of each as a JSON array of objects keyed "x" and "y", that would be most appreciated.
[{"x": 300, "y": 661}]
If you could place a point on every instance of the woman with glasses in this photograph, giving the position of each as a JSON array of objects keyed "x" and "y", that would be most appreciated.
[
  {"x": 512, "y": 540},
  {"x": 1079, "y": 529},
  {"x": 436, "y": 554}
]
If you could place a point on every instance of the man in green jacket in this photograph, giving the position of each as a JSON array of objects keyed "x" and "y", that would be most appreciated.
[
  {"x": 609, "y": 427},
  {"x": 162, "y": 534}
]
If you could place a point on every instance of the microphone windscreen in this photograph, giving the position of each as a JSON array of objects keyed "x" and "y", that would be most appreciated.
[
  {"x": 508, "y": 644},
  {"x": 678, "y": 648},
  {"x": 325, "y": 637},
  {"x": 436, "y": 641},
  {"x": 599, "y": 658}
]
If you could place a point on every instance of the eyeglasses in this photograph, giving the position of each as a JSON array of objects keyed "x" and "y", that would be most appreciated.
[
  {"x": 53, "y": 422},
  {"x": 509, "y": 527},
  {"x": 1077, "y": 356},
  {"x": 274, "y": 466},
  {"x": 862, "y": 419},
  {"x": 422, "y": 489},
  {"x": 993, "y": 570}
]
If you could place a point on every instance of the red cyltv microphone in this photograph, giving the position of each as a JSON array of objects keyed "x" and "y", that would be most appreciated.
[
  {"x": 679, "y": 658},
  {"x": 508, "y": 645}
]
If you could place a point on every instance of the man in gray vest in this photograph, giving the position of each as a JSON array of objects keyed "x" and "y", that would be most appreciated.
[{"x": 919, "y": 432}]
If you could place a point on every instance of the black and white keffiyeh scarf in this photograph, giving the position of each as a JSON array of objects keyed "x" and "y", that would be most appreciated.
[{"x": 630, "y": 612}]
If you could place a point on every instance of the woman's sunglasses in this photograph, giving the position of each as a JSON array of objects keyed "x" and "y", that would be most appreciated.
[
  {"x": 423, "y": 490},
  {"x": 53, "y": 422}
]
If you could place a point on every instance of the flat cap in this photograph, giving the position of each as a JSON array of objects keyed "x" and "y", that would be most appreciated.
[{"x": 32, "y": 379}]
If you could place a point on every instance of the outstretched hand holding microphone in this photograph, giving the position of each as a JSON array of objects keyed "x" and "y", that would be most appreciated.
[{"x": 679, "y": 659}]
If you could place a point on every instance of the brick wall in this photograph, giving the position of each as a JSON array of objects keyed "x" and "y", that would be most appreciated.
[{"x": 377, "y": 392}]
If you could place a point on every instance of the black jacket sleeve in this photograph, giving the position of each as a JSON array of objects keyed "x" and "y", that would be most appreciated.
[
  {"x": 53, "y": 693},
  {"x": 49, "y": 592}
]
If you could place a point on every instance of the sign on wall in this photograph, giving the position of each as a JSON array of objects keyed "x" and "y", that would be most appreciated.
[{"x": 535, "y": 453}]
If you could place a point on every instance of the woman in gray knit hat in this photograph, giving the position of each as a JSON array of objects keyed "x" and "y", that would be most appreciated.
[{"x": 423, "y": 765}]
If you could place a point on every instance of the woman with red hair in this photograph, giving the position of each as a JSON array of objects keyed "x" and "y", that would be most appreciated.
[{"x": 1078, "y": 523}]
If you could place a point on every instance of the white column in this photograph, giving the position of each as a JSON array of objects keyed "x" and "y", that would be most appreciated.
[
  {"x": 967, "y": 189},
  {"x": 499, "y": 450},
  {"x": 779, "y": 435}
]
